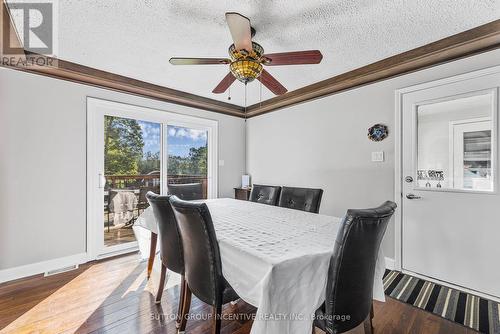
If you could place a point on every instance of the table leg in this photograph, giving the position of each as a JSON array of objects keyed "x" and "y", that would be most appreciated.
[{"x": 152, "y": 253}]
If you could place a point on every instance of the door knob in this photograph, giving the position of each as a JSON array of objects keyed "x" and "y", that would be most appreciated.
[{"x": 412, "y": 196}]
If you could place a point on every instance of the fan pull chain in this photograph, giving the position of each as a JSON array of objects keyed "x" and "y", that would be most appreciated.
[
  {"x": 245, "y": 100},
  {"x": 260, "y": 105},
  {"x": 229, "y": 95}
]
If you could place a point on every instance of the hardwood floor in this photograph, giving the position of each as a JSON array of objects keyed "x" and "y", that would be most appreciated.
[
  {"x": 118, "y": 236},
  {"x": 114, "y": 296}
]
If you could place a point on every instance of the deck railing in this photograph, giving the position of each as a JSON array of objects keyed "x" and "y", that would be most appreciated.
[{"x": 136, "y": 182}]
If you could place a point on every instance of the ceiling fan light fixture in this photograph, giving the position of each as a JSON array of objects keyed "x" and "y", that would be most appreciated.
[
  {"x": 246, "y": 70},
  {"x": 256, "y": 52},
  {"x": 248, "y": 58}
]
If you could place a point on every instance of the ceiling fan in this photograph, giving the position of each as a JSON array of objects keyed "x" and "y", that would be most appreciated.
[{"x": 247, "y": 58}]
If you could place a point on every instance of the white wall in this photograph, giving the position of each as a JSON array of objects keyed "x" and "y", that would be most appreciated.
[
  {"x": 43, "y": 163},
  {"x": 318, "y": 144},
  {"x": 323, "y": 143}
]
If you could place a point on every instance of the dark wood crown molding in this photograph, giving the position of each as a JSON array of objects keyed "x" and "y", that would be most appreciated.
[
  {"x": 69, "y": 71},
  {"x": 65, "y": 70},
  {"x": 6, "y": 24},
  {"x": 477, "y": 40},
  {"x": 467, "y": 43}
]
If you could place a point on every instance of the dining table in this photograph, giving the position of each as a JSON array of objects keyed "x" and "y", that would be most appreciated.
[{"x": 275, "y": 258}]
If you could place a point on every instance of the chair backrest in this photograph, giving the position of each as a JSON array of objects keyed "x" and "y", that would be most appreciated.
[
  {"x": 187, "y": 191},
  {"x": 305, "y": 199},
  {"x": 349, "y": 289},
  {"x": 201, "y": 250},
  {"x": 170, "y": 239},
  {"x": 143, "y": 191},
  {"x": 265, "y": 194}
]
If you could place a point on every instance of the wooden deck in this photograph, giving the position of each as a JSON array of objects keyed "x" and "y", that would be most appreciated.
[{"x": 114, "y": 296}]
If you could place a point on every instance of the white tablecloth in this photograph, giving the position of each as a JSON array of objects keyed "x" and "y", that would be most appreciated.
[{"x": 275, "y": 259}]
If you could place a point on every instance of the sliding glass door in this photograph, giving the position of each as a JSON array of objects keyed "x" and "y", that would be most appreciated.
[
  {"x": 133, "y": 150},
  {"x": 187, "y": 156},
  {"x": 132, "y": 155}
]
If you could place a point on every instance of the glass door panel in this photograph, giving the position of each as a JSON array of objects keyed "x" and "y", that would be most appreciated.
[
  {"x": 132, "y": 150},
  {"x": 187, "y": 160},
  {"x": 455, "y": 144}
]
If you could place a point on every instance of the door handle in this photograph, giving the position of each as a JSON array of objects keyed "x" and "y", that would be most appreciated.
[
  {"x": 101, "y": 181},
  {"x": 412, "y": 196}
]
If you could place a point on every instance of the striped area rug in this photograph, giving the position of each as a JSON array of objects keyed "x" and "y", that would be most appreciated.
[{"x": 472, "y": 311}]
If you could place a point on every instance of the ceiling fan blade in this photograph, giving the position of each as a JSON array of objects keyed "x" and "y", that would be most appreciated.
[
  {"x": 224, "y": 84},
  {"x": 294, "y": 58},
  {"x": 271, "y": 83},
  {"x": 241, "y": 32},
  {"x": 199, "y": 61}
]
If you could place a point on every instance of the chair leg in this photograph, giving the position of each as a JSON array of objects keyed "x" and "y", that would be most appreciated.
[
  {"x": 186, "y": 304},
  {"x": 152, "y": 253},
  {"x": 368, "y": 325},
  {"x": 181, "y": 301},
  {"x": 217, "y": 314},
  {"x": 162, "y": 283},
  {"x": 372, "y": 315}
]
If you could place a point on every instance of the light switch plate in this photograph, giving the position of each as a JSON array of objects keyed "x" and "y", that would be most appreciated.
[
  {"x": 377, "y": 156},
  {"x": 221, "y": 163}
]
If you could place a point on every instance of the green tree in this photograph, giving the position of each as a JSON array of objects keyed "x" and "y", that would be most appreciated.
[
  {"x": 198, "y": 160},
  {"x": 149, "y": 163},
  {"x": 123, "y": 144},
  {"x": 194, "y": 164}
]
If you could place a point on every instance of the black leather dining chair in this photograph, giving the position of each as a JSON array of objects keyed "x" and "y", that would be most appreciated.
[
  {"x": 187, "y": 191},
  {"x": 349, "y": 290},
  {"x": 171, "y": 252},
  {"x": 305, "y": 199},
  {"x": 142, "y": 202},
  {"x": 202, "y": 259},
  {"x": 265, "y": 194}
]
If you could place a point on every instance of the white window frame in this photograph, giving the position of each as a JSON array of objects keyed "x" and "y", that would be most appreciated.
[
  {"x": 456, "y": 134},
  {"x": 96, "y": 110}
]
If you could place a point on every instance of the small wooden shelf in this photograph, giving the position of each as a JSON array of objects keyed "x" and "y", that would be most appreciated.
[{"x": 242, "y": 193}]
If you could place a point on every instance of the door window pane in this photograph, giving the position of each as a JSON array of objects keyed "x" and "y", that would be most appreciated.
[
  {"x": 132, "y": 168},
  {"x": 455, "y": 144},
  {"x": 187, "y": 161},
  {"x": 477, "y": 160}
]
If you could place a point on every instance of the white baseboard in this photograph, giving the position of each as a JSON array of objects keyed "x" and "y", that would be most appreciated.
[
  {"x": 390, "y": 263},
  {"x": 41, "y": 267}
]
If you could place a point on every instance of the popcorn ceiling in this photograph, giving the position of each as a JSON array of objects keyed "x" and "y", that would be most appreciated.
[{"x": 136, "y": 38}]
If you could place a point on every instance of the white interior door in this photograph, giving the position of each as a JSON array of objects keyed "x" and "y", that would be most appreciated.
[
  {"x": 133, "y": 150},
  {"x": 450, "y": 199}
]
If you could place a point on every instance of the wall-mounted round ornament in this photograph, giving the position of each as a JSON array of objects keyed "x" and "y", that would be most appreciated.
[{"x": 378, "y": 132}]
